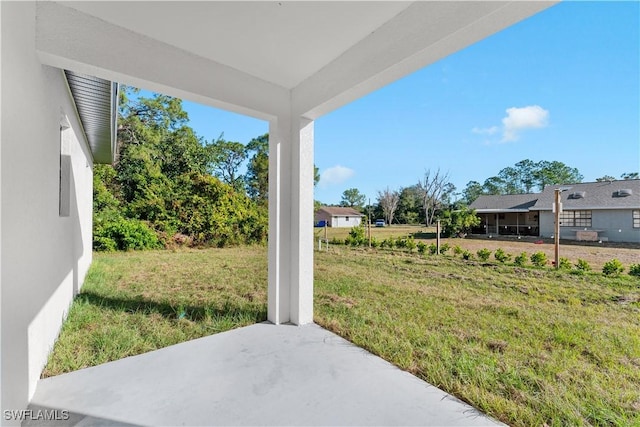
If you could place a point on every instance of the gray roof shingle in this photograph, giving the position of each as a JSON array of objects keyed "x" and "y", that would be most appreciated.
[
  {"x": 504, "y": 203},
  {"x": 597, "y": 195}
]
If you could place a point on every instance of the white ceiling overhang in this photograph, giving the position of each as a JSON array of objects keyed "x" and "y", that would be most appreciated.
[{"x": 264, "y": 58}]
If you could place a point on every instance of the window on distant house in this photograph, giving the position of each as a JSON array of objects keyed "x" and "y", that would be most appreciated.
[
  {"x": 347, "y": 218},
  {"x": 575, "y": 219},
  {"x": 636, "y": 218}
]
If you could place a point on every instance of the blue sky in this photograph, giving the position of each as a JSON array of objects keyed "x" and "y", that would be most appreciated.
[{"x": 562, "y": 85}]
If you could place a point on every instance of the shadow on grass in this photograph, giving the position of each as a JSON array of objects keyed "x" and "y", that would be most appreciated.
[{"x": 177, "y": 311}]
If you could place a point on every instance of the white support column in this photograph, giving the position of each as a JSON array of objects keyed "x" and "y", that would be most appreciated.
[{"x": 290, "y": 294}]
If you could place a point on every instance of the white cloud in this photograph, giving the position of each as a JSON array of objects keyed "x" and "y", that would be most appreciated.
[
  {"x": 335, "y": 175},
  {"x": 486, "y": 131},
  {"x": 519, "y": 119}
]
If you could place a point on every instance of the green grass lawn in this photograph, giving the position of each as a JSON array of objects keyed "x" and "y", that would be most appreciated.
[{"x": 528, "y": 346}]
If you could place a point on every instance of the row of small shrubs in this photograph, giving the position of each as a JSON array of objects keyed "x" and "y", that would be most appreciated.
[{"x": 538, "y": 259}]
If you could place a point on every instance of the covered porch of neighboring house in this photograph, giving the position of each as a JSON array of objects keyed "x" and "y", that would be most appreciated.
[
  {"x": 506, "y": 215},
  {"x": 508, "y": 223},
  {"x": 287, "y": 63}
]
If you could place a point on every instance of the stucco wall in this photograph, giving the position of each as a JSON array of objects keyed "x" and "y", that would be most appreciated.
[
  {"x": 341, "y": 221},
  {"x": 616, "y": 226},
  {"x": 44, "y": 256}
]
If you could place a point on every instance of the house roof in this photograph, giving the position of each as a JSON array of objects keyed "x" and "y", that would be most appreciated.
[
  {"x": 96, "y": 102},
  {"x": 340, "y": 211},
  {"x": 504, "y": 203},
  {"x": 622, "y": 194}
]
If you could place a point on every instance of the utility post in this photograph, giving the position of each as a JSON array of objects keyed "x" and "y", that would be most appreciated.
[
  {"x": 557, "y": 208},
  {"x": 369, "y": 216},
  {"x": 438, "y": 237}
]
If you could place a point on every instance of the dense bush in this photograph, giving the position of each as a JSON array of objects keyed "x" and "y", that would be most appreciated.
[
  {"x": 634, "y": 270},
  {"x": 124, "y": 234},
  {"x": 521, "y": 260},
  {"x": 539, "y": 259},
  {"x": 162, "y": 185},
  {"x": 458, "y": 222},
  {"x": 457, "y": 250},
  {"x": 612, "y": 268},
  {"x": 564, "y": 264},
  {"x": 501, "y": 256},
  {"x": 582, "y": 265},
  {"x": 356, "y": 236},
  {"x": 444, "y": 248},
  {"x": 422, "y": 248},
  {"x": 483, "y": 254},
  {"x": 410, "y": 243},
  {"x": 466, "y": 255}
]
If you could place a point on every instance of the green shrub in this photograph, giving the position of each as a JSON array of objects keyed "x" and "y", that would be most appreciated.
[
  {"x": 634, "y": 270},
  {"x": 457, "y": 250},
  {"x": 521, "y": 260},
  {"x": 466, "y": 255},
  {"x": 444, "y": 248},
  {"x": 375, "y": 242},
  {"x": 124, "y": 234},
  {"x": 356, "y": 236},
  {"x": 483, "y": 254},
  {"x": 539, "y": 259},
  {"x": 582, "y": 265},
  {"x": 612, "y": 268},
  {"x": 389, "y": 242},
  {"x": 410, "y": 243},
  {"x": 336, "y": 241},
  {"x": 422, "y": 247},
  {"x": 401, "y": 243},
  {"x": 564, "y": 263},
  {"x": 433, "y": 249},
  {"x": 501, "y": 256}
]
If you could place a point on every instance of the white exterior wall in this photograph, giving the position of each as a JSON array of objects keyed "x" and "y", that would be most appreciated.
[
  {"x": 44, "y": 256},
  {"x": 616, "y": 225},
  {"x": 341, "y": 221}
]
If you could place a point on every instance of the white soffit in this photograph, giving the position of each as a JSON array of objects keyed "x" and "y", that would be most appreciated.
[
  {"x": 281, "y": 42},
  {"x": 265, "y": 58}
]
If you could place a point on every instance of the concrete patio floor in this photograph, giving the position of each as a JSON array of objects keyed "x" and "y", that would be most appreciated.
[{"x": 257, "y": 375}]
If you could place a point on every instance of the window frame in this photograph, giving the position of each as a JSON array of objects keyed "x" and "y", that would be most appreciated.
[{"x": 570, "y": 219}]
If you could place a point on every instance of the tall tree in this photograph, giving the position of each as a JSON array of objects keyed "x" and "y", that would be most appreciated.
[
  {"x": 257, "y": 177},
  {"x": 433, "y": 186},
  {"x": 226, "y": 158},
  {"x": 410, "y": 205},
  {"x": 551, "y": 173},
  {"x": 605, "y": 178},
  {"x": 353, "y": 198},
  {"x": 388, "y": 201},
  {"x": 630, "y": 175},
  {"x": 472, "y": 191}
]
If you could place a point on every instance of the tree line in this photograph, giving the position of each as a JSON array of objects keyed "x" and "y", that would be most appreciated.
[
  {"x": 169, "y": 186},
  {"x": 435, "y": 197}
]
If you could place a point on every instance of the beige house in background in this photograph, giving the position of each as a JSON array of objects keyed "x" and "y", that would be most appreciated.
[{"x": 335, "y": 216}]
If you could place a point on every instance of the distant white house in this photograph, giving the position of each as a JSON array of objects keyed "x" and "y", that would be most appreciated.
[{"x": 334, "y": 216}]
